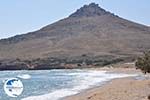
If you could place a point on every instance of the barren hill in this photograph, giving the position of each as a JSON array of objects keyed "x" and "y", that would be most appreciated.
[{"x": 90, "y": 31}]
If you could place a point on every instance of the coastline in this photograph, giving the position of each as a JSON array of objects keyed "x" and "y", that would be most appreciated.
[
  {"x": 128, "y": 88},
  {"x": 97, "y": 77}
]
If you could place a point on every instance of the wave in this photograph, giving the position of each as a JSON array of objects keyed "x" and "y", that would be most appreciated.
[
  {"x": 24, "y": 76},
  {"x": 83, "y": 81},
  {"x": 53, "y": 96}
]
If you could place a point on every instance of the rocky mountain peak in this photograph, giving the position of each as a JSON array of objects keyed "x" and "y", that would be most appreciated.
[{"x": 89, "y": 10}]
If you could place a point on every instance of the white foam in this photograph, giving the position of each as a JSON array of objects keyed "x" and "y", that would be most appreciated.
[
  {"x": 24, "y": 76},
  {"x": 52, "y": 96},
  {"x": 84, "y": 80}
]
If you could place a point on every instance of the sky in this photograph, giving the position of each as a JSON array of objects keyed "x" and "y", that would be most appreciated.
[{"x": 22, "y": 16}]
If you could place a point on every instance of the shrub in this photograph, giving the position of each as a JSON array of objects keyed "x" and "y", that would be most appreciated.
[
  {"x": 148, "y": 97},
  {"x": 143, "y": 63}
]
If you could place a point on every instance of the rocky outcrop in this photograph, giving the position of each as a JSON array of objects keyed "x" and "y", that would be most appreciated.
[{"x": 90, "y": 11}]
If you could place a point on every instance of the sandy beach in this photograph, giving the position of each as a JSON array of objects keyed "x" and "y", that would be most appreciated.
[{"x": 118, "y": 89}]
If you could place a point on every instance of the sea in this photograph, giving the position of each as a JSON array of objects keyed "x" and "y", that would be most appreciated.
[{"x": 56, "y": 84}]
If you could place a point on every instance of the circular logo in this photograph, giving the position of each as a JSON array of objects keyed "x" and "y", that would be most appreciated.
[{"x": 13, "y": 87}]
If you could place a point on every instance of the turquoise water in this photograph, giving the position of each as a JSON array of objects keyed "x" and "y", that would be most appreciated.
[{"x": 55, "y": 84}]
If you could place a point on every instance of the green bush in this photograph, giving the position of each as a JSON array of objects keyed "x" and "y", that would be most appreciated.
[{"x": 143, "y": 63}]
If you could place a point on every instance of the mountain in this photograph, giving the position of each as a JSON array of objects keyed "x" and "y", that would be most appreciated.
[{"x": 91, "y": 33}]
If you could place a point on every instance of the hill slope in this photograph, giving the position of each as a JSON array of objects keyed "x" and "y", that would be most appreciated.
[{"x": 90, "y": 31}]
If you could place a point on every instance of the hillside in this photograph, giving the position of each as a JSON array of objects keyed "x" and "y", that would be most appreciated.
[{"x": 91, "y": 33}]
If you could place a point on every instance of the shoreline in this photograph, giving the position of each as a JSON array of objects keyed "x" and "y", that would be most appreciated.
[
  {"x": 128, "y": 88},
  {"x": 98, "y": 80}
]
